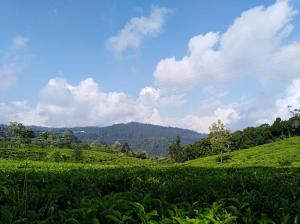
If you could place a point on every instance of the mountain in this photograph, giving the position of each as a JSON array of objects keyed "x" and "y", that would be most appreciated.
[{"x": 152, "y": 138}]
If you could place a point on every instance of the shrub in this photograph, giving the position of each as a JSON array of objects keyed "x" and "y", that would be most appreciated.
[{"x": 285, "y": 161}]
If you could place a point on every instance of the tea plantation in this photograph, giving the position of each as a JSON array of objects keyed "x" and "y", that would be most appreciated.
[{"x": 256, "y": 185}]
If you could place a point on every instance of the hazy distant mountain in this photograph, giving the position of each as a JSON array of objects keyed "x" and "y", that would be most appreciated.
[{"x": 152, "y": 138}]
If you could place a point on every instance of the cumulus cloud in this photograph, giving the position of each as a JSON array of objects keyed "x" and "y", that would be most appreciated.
[
  {"x": 12, "y": 62},
  {"x": 136, "y": 30},
  {"x": 291, "y": 98},
  {"x": 227, "y": 114},
  {"x": 199, "y": 122},
  {"x": 63, "y": 104},
  {"x": 254, "y": 45}
]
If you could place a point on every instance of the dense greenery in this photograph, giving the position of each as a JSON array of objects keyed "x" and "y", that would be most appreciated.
[
  {"x": 47, "y": 177},
  {"x": 152, "y": 138},
  {"x": 249, "y": 137},
  {"x": 282, "y": 153},
  {"x": 49, "y": 192}
]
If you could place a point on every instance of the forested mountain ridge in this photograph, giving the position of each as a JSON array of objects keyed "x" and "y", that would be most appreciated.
[{"x": 152, "y": 138}]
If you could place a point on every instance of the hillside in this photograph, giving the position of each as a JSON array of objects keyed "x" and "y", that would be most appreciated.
[
  {"x": 277, "y": 154},
  {"x": 109, "y": 188},
  {"x": 152, "y": 138}
]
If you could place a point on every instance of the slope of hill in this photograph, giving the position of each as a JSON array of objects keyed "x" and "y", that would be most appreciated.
[
  {"x": 56, "y": 157},
  {"x": 152, "y": 138},
  {"x": 277, "y": 154}
]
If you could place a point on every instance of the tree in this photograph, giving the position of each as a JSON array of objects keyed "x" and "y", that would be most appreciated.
[
  {"x": 68, "y": 138},
  {"x": 277, "y": 128},
  {"x": 294, "y": 112},
  {"x": 125, "y": 148},
  {"x": 203, "y": 147},
  {"x": 175, "y": 149},
  {"x": 77, "y": 153},
  {"x": 23, "y": 134},
  {"x": 116, "y": 146},
  {"x": 95, "y": 144},
  {"x": 47, "y": 139},
  {"x": 219, "y": 138}
]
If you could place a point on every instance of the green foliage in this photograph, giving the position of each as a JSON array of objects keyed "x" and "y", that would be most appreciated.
[
  {"x": 219, "y": 138},
  {"x": 175, "y": 150},
  {"x": 137, "y": 191},
  {"x": 125, "y": 148},
  {"x": 68, "y": 138},
  {"x": 162, "y": 194},
  {"x": 57, "y": 156},
  {"x": 117, "y": 146},
  {"x": 152, "y": 138},
  {"x": 255, "y": 136},
  {"x": 21, "y": 133},
  {"x": 267, "y": 155},
  {"x": 285, "y": 161}
]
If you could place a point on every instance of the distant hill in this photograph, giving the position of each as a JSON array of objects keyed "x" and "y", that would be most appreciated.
[{"x": 152, "y": 138}]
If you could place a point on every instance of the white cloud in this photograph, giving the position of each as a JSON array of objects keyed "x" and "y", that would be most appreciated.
[
  {"x": 291, "y": 98},
  {"x": 227, "y": 115},
  {"x": 155, "y": 97},
  {"x": 253, "y": 45},
  {"x": 12, "y": 62},
  {"x": 197, "y": 122},
  {"x": 136, "y": 30},
  {"x": 63, "y": 104}
]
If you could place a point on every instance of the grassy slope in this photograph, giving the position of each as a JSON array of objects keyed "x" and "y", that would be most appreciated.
[
  {"x": 86, "y": 191},
  {"x": 45, "y": 158},
  {"x": 266, "y": 155}
]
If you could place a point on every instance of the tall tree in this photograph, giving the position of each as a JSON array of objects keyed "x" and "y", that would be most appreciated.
[
  {"x": 219, "y": 138},
  {"x": 125, "y": 148},
  {"x": 68, "y": 138},
  {"x": 21, "y": 133},
  {"x": 175, "y": 149}
]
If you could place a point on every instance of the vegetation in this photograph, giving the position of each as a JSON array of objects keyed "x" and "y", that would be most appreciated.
[
  {"x": 219, "y": 138},
  {"x": 46, "y": 177},
  {"x": 153, "y": 139},
  {"x": 242, "y": 190},
  {"x": 281, "y": 153}
]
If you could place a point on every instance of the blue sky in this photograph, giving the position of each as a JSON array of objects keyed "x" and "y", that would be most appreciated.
[{"x": 174, "y": 63}]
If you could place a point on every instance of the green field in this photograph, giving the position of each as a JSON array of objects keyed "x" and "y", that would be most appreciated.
[
  {"x": 256, "y": 185},
  {"x": 277, "y": 154}
]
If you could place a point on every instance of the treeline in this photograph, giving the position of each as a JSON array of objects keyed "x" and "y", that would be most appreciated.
[
  {"x": 249, "y": 137},
  {"x": 152, "y": 138},
  {"x": 20, "y": 136}
]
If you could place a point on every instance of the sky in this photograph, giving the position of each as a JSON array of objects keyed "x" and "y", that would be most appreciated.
[{"x": 66, "y": 63}]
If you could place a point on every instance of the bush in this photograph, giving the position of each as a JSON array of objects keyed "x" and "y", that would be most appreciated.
[
  {"x": 285, "y": 161},
  {"x": 226, "y": 158},
  {"x": 57, "y": 156},
  {"x": 78, "y": 156}
]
